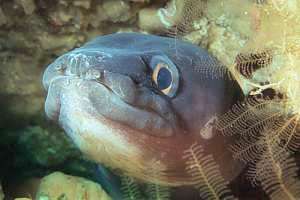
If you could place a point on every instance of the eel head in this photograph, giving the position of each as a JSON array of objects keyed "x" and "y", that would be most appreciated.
[{"x": 135, "y": 102}]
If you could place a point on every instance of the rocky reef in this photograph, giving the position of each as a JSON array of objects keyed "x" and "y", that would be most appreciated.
[{"x": 34, "y": 32}]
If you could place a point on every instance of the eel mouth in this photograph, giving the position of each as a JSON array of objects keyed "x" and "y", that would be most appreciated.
[{"x": 112, "y": 95}]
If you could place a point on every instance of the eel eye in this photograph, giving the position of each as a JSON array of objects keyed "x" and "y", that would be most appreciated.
[{"x": 165, "y": 75}]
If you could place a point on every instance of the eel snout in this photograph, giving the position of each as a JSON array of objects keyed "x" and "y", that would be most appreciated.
[{"x": 111, "y": 94}]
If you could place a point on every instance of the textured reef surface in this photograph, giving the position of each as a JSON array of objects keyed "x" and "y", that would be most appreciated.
[{"x": 257, "y": 41}]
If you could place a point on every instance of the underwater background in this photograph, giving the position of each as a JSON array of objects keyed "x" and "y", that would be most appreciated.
[{"x": 257, "y": 41}]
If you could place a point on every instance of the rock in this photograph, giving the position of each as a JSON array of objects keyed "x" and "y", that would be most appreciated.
[
  {"x": 19, "y": 74},
  {"x": 62, "y": 15},
  {"x": 61, "y": 186},
  {"x": 86, "y": 4},
  {"x": 200, "y": 34},
  {"x": 174, "y": 13},
  {"x": 225, "y": 43},
  {"x": 60, "y": 43},
  {"x": 44, "y": 147},
  {"x": 3, "y": 19},
  {"x": 95, "y": 19},
  {"x": 231, "y": 14},
  {"x": 149, "y": 20},
  {"x": 1, "y": 193},
  {"x": 110, "y": 11},
  {"x": 117, "y": 11},
  {"x": 20, "y": 88},
  {"x": 27, "y": 5},
  {"x": 22, "y": 190},
  {"x": 230, "y": 28}
]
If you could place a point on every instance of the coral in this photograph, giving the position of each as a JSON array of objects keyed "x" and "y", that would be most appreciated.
[
  {"x": 130, "y": 189},
  {"x": 229, "y": 28},
  {"x": 157, "y": 192},
  {"x": 247, "y": 64},
  {"x": 60, "y": 186},
  {"x": 276, "y": 170},
  {"x": 205, "y": 174},
  {"x": 22, "y": 199},
  {"x": 248, "y": 117},
  {"x": 267, "y": 139},
  {"x": 267, "y": 122},
  {"x": 277, "y": 70},
  {"x": 277, "y": 29},
  {"x": 177, "y": 16}
]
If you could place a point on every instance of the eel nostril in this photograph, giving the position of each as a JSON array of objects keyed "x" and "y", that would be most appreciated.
[
  {"x": 60, "y": 66},
  {"x": 73, "y": 61},
  {"x": 93, "y": 74},
  {"x": 80, "y": 63}
]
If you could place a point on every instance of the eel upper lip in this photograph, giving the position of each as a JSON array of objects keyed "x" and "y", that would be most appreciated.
[{"x": 76, "y": 63}]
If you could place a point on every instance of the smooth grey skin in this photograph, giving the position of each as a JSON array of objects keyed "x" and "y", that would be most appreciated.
[
  {"x": 117, "y": 69},
  {"x": 104, "y": 97}
]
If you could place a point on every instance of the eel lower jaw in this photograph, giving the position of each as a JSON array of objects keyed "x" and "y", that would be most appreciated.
[{"x": 99, "y": 99}]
